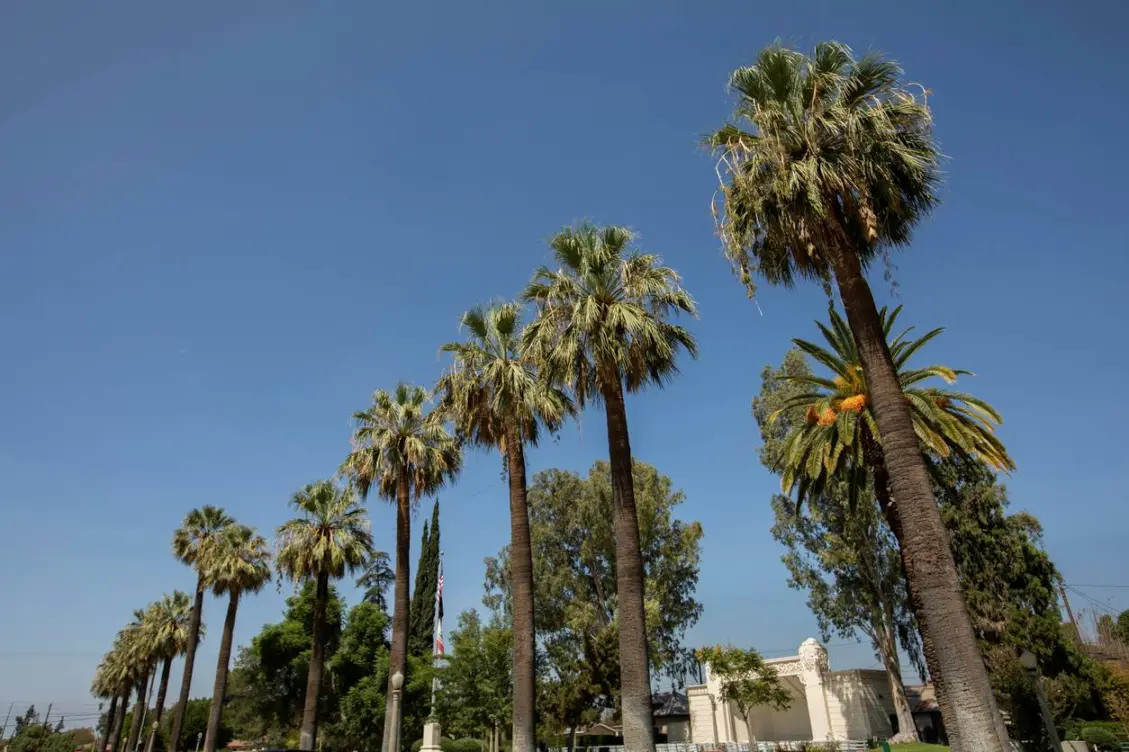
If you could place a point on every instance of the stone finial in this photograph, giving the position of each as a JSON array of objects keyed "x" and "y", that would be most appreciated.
[{"x": 813, "y": 656}]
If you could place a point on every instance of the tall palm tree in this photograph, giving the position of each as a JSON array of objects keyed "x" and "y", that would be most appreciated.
[
  {"x": 376, "y": 578},
  {"x": 114, "y": 675},
  {"x": 140, "y": 656},
  {"x": 834, "y": 166},
  {"x": 602, "y": 329},
  {"x": 497, "y": 400},
  {"x": 168, "y": 621},
  {"x": 191, "y": 544},
  {"x": 330, "y": 538},
  {"x": 405, "y": 452},
  {"x": 239, "y": 563}
]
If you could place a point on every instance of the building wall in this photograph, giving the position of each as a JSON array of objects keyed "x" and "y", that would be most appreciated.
[
  {"x": 788, "y": 725},
  {"x": 859, "y": 704},
  {"x": 676, "y": 731},
  {"x": 701, "y": 715}
]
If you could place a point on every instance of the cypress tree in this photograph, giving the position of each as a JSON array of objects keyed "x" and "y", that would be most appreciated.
[{"x": 421, "y": 616}]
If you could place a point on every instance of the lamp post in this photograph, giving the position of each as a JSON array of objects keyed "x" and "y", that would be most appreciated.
[
  {"x": 199, "y": 736},
  {"x": 1032, "y": 665},
  {"x": 394, "y": 737}
]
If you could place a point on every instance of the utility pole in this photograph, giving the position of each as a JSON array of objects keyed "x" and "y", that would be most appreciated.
[
  {"x": 1069, "y": 611},
  {"x": 4, "y": 728},
  {"x": 46, "y": 717}
]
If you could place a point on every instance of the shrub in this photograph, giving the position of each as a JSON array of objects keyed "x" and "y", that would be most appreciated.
[{"x": 1100, "y": 736}]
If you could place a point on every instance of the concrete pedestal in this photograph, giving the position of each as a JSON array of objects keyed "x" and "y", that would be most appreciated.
[{"x": 431, "y": 735}]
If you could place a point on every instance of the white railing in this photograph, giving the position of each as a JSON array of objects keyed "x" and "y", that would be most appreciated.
[{"x": 838, "y": 746}]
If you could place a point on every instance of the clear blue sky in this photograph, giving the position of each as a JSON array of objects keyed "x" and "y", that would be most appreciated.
[{"x": 222, "y": 225}]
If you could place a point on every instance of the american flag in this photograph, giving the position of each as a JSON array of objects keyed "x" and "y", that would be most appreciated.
[{"x": 439, "y": 610}]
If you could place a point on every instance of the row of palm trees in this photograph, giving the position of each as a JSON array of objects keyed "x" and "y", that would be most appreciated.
[
  {"x": 330, "y": 536},
  {"x": 830, "y": 163}
]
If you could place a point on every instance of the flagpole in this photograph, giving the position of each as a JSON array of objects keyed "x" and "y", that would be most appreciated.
[{"x": 437, "y": 631}]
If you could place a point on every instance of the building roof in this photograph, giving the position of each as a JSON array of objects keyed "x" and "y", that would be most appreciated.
[
  {"x": 668, "y": 704},
  {"x": 922, "y": 698}
]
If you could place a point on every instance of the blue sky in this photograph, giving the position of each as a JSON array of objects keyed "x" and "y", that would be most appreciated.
[{"x": 222, "y": 225}]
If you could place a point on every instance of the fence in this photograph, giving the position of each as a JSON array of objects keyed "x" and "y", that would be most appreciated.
[{"x": 842, "y": 746}]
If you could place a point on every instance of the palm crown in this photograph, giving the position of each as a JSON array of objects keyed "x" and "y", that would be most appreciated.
[
  {"x": 239, "y": 562},
  {"x": 838, "y": 426},
  {"x": 602, "y": 314},
  {"x": 492, "y": 385},
  {"x": 839, "y": 154},
  {"x": 198, "y": 533},
  {"x": 330, "y": 537},
  {"x": 398, "y": 436},
  {"x": 167, "y": 621}
]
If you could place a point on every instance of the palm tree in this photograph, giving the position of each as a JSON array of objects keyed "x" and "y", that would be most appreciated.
[
  {"x": 838, "y": 435},
  {"x": 405, "y": 452},
  {"x": 376, "y": 578},
  {"x": 238, "y": 563},
  {"x": 114, "y": 675},
  {"x": 331, "y": 537},
  {"x": 497, "y": 400},
  {"x": 602, "y": 328},
  {"x": 837, "y": 166},
  {"x": 140, "y": 657},
  {"x": 168, "y": 621},
  {"x": 191, "y": 543}
]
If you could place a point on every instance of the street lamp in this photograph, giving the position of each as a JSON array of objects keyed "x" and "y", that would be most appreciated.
[
  {"x": 1031, "y": 663},
  {"x": 199, "y": 736},
  {"x": 394, "y": 737}
]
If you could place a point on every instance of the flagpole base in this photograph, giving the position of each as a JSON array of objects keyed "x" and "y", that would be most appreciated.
[{"x": 431, "y": 737}]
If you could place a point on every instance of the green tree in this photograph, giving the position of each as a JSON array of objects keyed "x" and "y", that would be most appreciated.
[
  {"x": 330, "y": 538},
  {"x": 477, "y": 679},
  {"x": 268, "y": 684},
  {"x": 38, "y": 738},
  {"x": 191, "y": 544},
  {"x": 405, "y": 452},
  {"x": 602, "y": 328},
  {"x": 196, "y": 714},
  {"x": 498, "y": 401},
  {"x": 1122, "y": 627},
  {"x": 574, "y": 565},
  {"x": 359, "y": 668},
  {"x": 838, "y": 168},
  {"x": 238, "y": 564},
  {"x": 169, "y": 620},
  {"x": 746, "y": 681},
  {"x": 842, "y": 554},
  {"x": 376, "y": 578},
  {"x": 421, "y": 619}
]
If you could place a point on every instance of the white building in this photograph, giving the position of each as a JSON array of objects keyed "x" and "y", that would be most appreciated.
[{"x": 826, "y": 705}]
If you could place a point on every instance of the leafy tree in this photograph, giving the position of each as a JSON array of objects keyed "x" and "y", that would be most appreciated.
[
  {"x": 376, "y": 578},
  {"x": 498, "y": 401},
  {"x": 405, "y": 452},
  {"x": 169, "y": 620},
  {"x": 38, "y": 738},
  {"x": 574, "y": 565},
  {"x": 838, "y": 168},
  {"x": 238, "y": 564},
  {"x": 196, "y": 714},
  {"x": 330, "y": 538},
  {"x": 841, "y": 554},
  {"x": 421, "y": 620},
  {"x": 603, "y": 329},
  {"x": 477, "y": 679},
  {"x": 269, "y": 680},
  {"x": 359, "y": 669},
  {"x": 746, "y": 681},
  {"x": 191, "y": 544}
]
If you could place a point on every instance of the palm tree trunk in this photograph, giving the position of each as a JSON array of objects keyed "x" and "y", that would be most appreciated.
[
  {"x": 116, "y": 722},
  {"x": 157, "y": 711},
  {"x": 930, "y": 569},
  {"x": 635, "y": 677},
  {"x": 215, "y": 712},
  {"x": 189, "y": 661},
  {"x": 396, "y": 657},
  {"x": 521, "y": 583},
  {"x": 877, "y": 465},
  {"x": 309, "y": 734},
  {"x": 110, "y": 713},
  {"x": 135, "y": 720}
]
